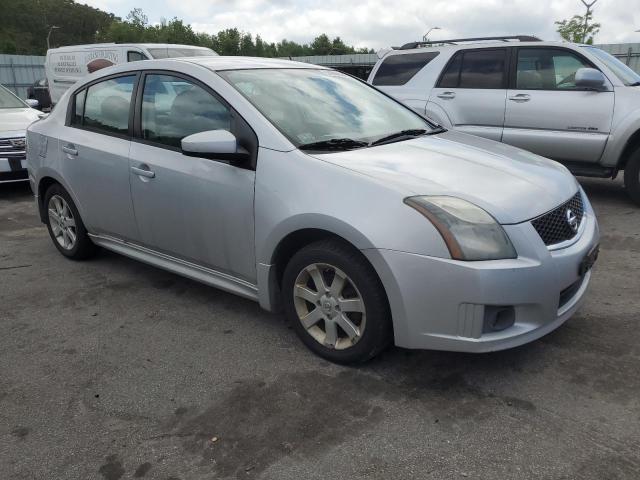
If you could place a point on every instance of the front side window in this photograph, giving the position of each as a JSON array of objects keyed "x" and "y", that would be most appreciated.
[
  {"x": 314, "y": 105},
  {"x": 399, "y": 69},
  {"x": 107, "y": 105},
  {"x": 133, "y": 56},
  {"x": 173, "y": 108},
  {"x": 476, "y": 69},
  {"x": 547, "y": 69}
]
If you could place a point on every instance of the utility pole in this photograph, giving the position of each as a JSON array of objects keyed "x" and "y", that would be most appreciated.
[
  {"x": 586, "y": 18},
  {"x": 425, "y": 37},
  {"x": 51, "y": 29}
]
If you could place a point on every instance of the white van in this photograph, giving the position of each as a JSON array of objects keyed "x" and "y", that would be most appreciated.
[{"x": 66, "y": 65}]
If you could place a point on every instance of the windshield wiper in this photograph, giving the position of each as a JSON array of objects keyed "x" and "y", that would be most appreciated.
[
  {"x": 404, "y": 133},
  {"x": 334, "y": 144},
  {"x": 634, "y": 84}
]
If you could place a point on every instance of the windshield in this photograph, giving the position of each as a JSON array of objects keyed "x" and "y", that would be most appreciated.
[
  {"x": 9, "y": 100},
  {"x": 176, "y": 52},
  {"x": 309, "y": 106},
  {"x": 623, "y": 72}
]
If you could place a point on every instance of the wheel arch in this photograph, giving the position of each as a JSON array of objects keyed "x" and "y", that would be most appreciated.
[
  {"x": 47, "y": 178},
  {"x": 632, "y": 144}
]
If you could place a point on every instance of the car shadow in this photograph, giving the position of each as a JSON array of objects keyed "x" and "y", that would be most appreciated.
[{"x": 15, "y": 191}]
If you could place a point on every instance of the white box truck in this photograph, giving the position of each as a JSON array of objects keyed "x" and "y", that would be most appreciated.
[{"x": 64, "y": 66}]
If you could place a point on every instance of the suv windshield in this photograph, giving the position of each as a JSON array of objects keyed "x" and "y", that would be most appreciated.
[
  {"x": 324, "y": 107},
  {"x": 9, "y": 100},
  {"x": 176, "y": 52},
  {"x": 623, "y": 72}
]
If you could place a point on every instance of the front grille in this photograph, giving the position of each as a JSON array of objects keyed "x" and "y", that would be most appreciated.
[
  {"x": 13, "y": 148},
  {"x": 555, "y": 226}
]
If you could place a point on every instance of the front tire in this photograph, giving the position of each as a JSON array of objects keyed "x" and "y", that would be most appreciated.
[
  {"x": 336, "y": 303},
  {"x": 65, "y": 226},
  {"x": 632, "y": 176}
]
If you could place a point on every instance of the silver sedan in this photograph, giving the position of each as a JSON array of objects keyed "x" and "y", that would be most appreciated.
[{"x": 314, "y": 194}]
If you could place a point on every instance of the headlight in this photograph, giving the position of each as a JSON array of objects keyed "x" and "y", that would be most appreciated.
[{"x": 469, "y": 232}]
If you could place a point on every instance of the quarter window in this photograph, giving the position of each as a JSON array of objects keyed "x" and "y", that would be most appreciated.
[
  {"x": 173, "y": 108},
  {"x": 399, "y": 69},
  {"x": 547, "y": 69},
  {"x": 476, "y": 69},
  {"x": 78, "y": 108},
  {"x": 107, "y": 105}
]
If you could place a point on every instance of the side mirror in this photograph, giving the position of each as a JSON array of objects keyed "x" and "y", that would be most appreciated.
[
  {"x": 32, "y": 102},
  {"x": 216, "y": 145},
  {"x": 590, "y": 78}
]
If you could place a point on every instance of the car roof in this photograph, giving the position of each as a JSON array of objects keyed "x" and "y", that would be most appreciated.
[
  {"x": 88, "y": 46},
  {"x": 487, "y": 44},
  {"x": 240, "y": 63}
]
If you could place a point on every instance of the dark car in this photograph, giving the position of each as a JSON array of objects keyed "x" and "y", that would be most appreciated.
[{"x": 39, "y": 91}]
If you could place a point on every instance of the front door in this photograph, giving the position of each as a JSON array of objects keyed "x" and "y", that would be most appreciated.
[
  {"x": 472, "y": 92},
  {"x": 94, "y": 156},
  {"x": 548, "y": 115},
  {"x": 197, "y": 209}
]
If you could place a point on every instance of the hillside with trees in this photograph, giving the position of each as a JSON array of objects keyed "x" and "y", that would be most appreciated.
[{"x": 25, "y": 26}]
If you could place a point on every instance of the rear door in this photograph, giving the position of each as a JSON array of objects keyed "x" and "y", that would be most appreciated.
[
  {"x": 472, "y": 91},
  {"x": 94, "y": 155},
  {"x": 547, "y": 114}
]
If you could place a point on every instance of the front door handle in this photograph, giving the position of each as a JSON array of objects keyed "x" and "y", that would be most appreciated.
[
  {"x": 520, "y": 97},
  {"x": 447, "y": 95},
  {"x": 70, "y": 150},
  {"x": 143, "y": 172}
]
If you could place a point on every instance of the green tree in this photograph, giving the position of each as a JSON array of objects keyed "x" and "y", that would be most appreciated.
[{"x": 579, "y": 28}]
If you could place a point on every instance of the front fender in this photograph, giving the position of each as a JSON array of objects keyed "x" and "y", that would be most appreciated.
[{"x": 620, "y": 135}]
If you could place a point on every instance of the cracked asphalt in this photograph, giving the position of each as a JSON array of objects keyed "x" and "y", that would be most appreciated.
[{"x": 111, "y": 369}]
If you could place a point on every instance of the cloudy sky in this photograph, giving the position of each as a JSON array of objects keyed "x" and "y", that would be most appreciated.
[{"x": 382, "y": 23}]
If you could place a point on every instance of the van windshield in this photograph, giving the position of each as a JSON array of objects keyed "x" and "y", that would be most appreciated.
[
  {"x": 176, "y": 52},
  {"x": 622, "y": 71},
  {"x": 9, "y": 100}
]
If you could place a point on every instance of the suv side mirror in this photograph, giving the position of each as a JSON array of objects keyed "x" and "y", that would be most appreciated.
[
  {"x": 32, "y": 102},
  {"x": 590, "y": 78},
  {"x": 216, "y": 145}
]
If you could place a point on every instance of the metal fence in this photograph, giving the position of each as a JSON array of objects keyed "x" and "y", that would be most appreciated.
[{"x": 17, "y": 72}]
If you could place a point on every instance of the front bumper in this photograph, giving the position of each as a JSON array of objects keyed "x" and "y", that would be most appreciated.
[
  {"x": 13, "y": 162},
  {"x": 440, "y": 304}
]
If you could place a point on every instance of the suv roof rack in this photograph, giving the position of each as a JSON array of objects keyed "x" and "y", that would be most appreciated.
[{"x": 521, "y": 38}]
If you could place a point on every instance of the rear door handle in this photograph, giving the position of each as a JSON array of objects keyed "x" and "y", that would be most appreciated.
[
  {"x": 143, "y": 171},
  {"x": 520, "y": 97},
  {"x": 447, "y": 95},
  {"x": 69, "y": 150}
]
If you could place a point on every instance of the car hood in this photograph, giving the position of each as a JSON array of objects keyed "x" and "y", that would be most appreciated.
[
  {"x": 17, "y": 119},
  {"x": 511, "y": 184}
]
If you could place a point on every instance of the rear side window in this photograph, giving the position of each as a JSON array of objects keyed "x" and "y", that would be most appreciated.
[
  {"x": 107, "y": 105},
  {"x": 476, "y": 69},
  {"x": 399, "y": 69}
]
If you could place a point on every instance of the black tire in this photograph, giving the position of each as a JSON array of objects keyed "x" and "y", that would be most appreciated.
[
  {"x": 377, "y": 333},
  {"x": 83, "y": 248},
  {"x": 632, "y": 176}
]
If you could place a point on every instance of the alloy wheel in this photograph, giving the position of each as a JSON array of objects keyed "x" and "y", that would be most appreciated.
[
  {"x": 63, "y": 225},
  {"x": 329, "y": 306}
]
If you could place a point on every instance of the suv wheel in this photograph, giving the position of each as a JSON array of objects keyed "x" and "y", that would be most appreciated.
[
  {"x": 65, "y": 225},
  {"x": 336, "y": 303},
  {"x": 632, "y": 176}
]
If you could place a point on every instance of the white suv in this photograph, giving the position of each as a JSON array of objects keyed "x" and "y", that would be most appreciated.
[{"x": 573, "y": 103}]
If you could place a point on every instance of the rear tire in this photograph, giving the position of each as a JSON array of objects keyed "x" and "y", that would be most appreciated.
[
  {"x": 65, "y": 226},
  {"x": 336, "y": 303},
  {"x": 632, "y": 176}
]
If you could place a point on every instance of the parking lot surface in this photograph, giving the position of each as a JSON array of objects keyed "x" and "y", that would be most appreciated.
[{"x": 111, "y": 369}]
